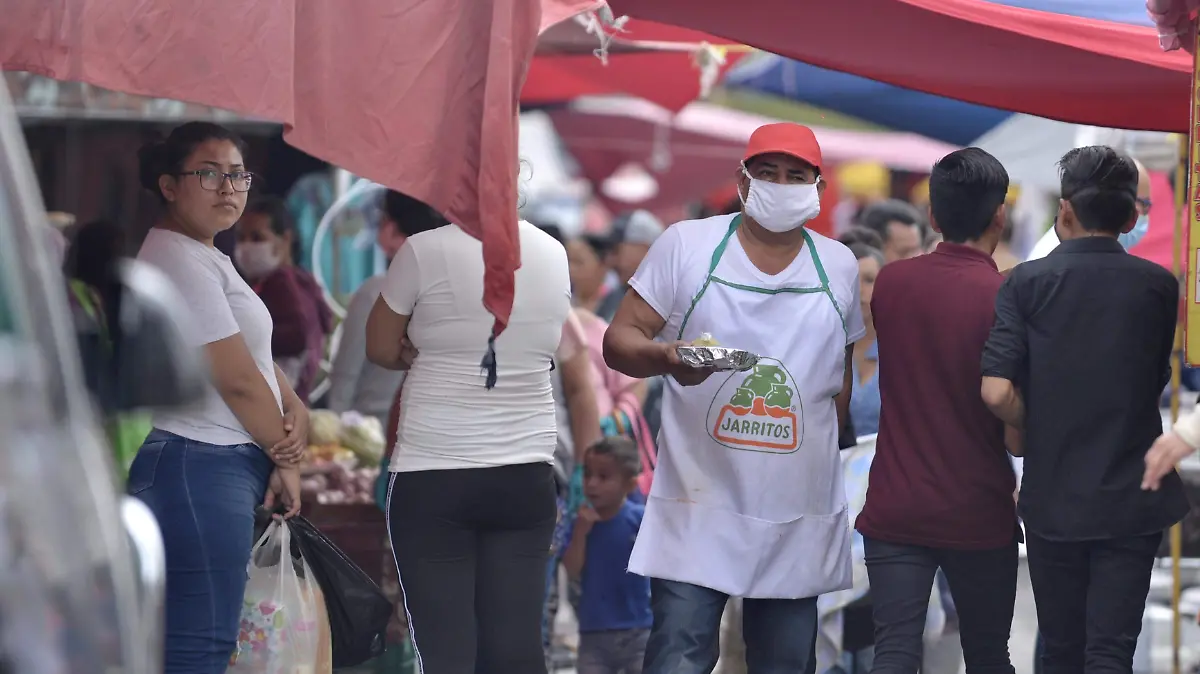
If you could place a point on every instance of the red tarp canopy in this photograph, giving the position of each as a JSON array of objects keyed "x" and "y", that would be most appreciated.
[
  {"x": 419, "y": 95},
  {"x": 1051, "y": 65},
  {"x": 566, "y": 67}
]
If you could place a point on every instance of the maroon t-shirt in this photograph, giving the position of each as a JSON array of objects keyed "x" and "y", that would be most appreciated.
[{"x": 941, "y": 476}]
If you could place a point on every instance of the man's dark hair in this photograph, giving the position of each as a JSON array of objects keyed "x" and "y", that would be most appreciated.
[
  {"x": 965, "y": 189},
  {"x": 1101, "y": 185},
  {"x": 623, "y": 450},
  {"x": 412, "y": 216},
  {"x": 863, "y": 236},
  {"x": 878, "y": 216}
]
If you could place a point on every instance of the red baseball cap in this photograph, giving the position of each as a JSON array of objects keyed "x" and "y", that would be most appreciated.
[{"x": 795, "y": 140}]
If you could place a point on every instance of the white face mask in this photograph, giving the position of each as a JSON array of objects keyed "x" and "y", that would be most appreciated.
[
  {"x": 257, "y": 259},
  {"x": 781, "y": 208}
]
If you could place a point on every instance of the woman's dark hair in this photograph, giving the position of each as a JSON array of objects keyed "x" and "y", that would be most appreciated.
[
  {"x": 965, "y": 189},
  {"x": 166, "y": 157},
  {"x": 282, "y": 222},
  {"x": 1101, "y": 185},
  {"x": 623, "y": 450},
  {"x": 412, "y": 216}
]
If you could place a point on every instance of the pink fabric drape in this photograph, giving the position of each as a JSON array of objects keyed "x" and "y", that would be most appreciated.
[{"x": 420, "y": 95}]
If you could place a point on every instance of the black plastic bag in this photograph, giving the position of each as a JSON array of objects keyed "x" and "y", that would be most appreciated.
[{"x": 358, "y": 610}]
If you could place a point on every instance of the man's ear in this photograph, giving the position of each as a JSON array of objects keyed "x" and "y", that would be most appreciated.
[
  {"x": 820, "y": 187},
  {"x": 933, "y": 224},
  {"x": 1000, "y": 218},
  {"x": 1127, "y": 227}
]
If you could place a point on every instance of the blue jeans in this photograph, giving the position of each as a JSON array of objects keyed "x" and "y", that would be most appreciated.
[
  {"x": 779, "y": 633},
  {"x": 204, "y": 498}
]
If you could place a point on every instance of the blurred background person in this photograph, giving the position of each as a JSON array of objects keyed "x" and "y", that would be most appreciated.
[
  {"x": 92, "y": 270},
  {"x": 266, "y": 252},
  {"x": 861, "y": 184},
  {"x": 590, "y": 280},
  {"x": 899, "y": 225},
  {"x": 864, "y": 402},
  {"x": 354, "y": 382},
  {"x": 632, "y": 235}
]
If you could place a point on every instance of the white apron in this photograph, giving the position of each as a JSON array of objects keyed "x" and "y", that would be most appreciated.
[{"x": 748, "y": 497}]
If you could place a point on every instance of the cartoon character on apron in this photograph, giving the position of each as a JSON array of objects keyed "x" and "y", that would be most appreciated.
[{"x": 748, "y": 497}]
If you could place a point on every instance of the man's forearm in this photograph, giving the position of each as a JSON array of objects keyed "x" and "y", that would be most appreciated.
[
  {"x": 842, "y": 400},
  {"x": 1004, "y": 400},
  {"x": 629, "y": 351}
]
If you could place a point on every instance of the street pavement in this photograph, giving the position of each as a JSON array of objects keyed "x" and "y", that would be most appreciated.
[{"x": 948, "y": 651}]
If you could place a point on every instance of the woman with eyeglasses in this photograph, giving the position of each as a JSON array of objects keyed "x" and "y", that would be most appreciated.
[
  {"x": 202, "y": 470},
  {"x": 268, "y": 247}
]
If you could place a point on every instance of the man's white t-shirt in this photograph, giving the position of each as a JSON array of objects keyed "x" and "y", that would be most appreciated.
[
  {"x": 448, "y": 418},
  {"x": 678, "y": 263},
  {"x": 219, "y": 304}
]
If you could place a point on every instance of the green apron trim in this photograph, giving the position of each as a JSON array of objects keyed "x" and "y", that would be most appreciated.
[{"x": 719, "y": 252}]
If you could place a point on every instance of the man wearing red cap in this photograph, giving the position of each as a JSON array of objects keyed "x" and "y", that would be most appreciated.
[{"x": 748, "y": 499}]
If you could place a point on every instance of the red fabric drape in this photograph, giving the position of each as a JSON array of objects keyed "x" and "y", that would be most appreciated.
[{"x": 1051, "y": 65}]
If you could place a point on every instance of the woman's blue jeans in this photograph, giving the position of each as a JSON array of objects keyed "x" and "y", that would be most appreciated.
[{"x": 204, "y": 498}]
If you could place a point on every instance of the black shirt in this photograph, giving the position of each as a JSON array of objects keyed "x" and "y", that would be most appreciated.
[{"x": 1086, "y": 334}]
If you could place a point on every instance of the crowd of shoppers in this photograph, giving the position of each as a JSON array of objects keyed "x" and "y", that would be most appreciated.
[{"x": 539, "y": 462}]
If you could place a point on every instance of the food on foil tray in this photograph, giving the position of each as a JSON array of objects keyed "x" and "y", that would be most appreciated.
[
  {"x": 716, "y": 357},
  {"x": 705, "y": 339}
]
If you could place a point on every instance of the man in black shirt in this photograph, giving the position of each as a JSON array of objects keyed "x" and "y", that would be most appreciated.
[{"x": 1078, "y": 357}]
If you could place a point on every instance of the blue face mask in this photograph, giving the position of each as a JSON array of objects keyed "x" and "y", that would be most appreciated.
[{"x": 1132, "y": 237}]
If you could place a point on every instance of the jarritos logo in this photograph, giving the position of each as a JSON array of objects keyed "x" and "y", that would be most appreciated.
[{"x": 761, "y": 414}]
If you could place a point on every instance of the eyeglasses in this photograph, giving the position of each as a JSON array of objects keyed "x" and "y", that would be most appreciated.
[
  {"x": 211, "y": 179},
  {"x": 1143, "y": 206}
]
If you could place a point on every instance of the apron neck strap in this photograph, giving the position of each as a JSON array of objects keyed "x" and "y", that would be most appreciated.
[
  {"x": 720, "y": 249},
  {"x": 808, "y": 243},
  {"x": 812, "y": 250}
]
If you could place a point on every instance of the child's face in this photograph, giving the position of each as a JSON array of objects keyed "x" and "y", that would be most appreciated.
[{"x": 605, "y": 483}]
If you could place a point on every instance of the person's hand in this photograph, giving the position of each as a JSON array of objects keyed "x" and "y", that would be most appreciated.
[
  {"x": 408, "y": 352},
  {"x": 680, "y": 371},
  {"x": 284, "y": 488},
  {"x": 1166, "y": 452},
  {"x": 586, "y": 518},
  {"x": 290, "y": 450}
]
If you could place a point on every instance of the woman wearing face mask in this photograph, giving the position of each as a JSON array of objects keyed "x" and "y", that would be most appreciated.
[
  {"x": 266, "y": 252},
  {"x": 203, "y": 470}
]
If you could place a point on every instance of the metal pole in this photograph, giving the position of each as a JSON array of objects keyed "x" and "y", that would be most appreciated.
[{"x": 1181, "y": 210}]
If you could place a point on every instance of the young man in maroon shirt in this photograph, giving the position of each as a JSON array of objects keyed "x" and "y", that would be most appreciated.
[{"x": 941, "y": 487}]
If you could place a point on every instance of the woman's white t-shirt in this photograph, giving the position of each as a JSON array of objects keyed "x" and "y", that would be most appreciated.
[
  {"x": 448, "y": 418},
  {"x": 219, "y": 304}
]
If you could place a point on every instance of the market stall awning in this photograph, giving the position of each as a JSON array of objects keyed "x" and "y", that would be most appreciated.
[
  {"x": 683, "y": 157},
  {"x": 419, "y": 95},
  {"x": 899, "y": 108},
  {"x": 660, "y": 63},
  {"x": 1053, "y": 65}
]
